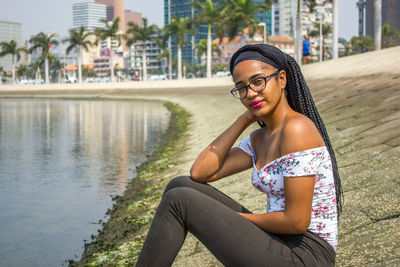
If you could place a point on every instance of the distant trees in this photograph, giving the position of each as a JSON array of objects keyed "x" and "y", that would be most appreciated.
[
  {"x": 326, "y": 30},
  {"x": 359, "y": 44},
  {"x": 41, "y": 43},
  {"x": 390, "y": 37},
  {"x": 210, "y": 14},
  {"x": 79, "y": 39},
  {"x": 179, "y": 27},
  {"x": 110, "y": 32},
  {"x": 143, "y": 34},
  {"x": 15, "y": 52}
]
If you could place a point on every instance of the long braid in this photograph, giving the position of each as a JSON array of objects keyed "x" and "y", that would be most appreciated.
[
  {"x": 300, "y": 99},
  {"x": 298, "y": 96}
]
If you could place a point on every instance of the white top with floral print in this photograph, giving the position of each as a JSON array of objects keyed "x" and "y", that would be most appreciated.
[{"x": 315, "y": 161}]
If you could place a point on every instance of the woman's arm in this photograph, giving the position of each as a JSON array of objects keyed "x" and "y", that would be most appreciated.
[
  {"x": 296, "y": 217},
  {"x": 298, "y": 134},
  {"x": 219, "y": 159}
]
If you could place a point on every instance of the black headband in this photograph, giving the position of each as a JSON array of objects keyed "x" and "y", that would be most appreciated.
[
  {"x": 262, "y": 52},
  {"x": 254, "y": 55}
]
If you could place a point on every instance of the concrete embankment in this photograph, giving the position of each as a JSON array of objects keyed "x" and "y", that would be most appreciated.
[{"x": 358, "y": 98}]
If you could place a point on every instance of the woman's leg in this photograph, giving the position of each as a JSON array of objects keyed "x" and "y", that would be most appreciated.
[
  {"x": 187, "y": 181},
  {"x": 233, "y": 240}
]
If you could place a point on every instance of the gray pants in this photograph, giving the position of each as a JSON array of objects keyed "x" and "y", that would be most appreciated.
[{"x": 212, "y": 217}]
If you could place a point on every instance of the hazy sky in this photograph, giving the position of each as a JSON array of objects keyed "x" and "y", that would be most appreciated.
[{"x": 56, "y": 15}]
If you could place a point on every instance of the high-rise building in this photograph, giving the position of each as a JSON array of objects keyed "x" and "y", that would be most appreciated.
[
  {"x": 10, "y": 31},
  {"x": 390, "y": 15},
  {"x": 115, "y": 8},
  {"x": 134, "y": 17},
  {"x": 184, "y": 8},
  {"x": 361, "y": 17},
  {"x": 265, "y": 17},
  {"x": 88, "y": 15}
]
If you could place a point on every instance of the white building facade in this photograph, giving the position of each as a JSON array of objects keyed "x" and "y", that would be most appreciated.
[
  {"x": 10, "y": 31},
  {"x": 88, "y": 15}
]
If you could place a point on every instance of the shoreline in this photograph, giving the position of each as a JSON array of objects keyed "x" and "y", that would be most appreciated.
[{"x": 132, "y": 212}]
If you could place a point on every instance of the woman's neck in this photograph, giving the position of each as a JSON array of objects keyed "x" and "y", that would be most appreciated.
[{"x": 276, "y": 119}]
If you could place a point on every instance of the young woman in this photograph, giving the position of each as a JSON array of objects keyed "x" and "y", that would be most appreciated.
[{"x": 293, "y": 164}]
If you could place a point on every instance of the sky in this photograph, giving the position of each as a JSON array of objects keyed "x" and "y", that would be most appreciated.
[{"x": 55, "y": 16}]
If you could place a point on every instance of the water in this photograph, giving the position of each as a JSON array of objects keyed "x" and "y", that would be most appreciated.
[{"x": 60, "y": 163}]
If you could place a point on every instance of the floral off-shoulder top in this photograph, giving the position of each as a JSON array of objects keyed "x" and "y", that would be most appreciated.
[{"x": 316, "y": 161}]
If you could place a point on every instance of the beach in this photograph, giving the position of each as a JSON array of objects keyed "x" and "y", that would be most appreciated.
[{"x": 358, "y": 98}]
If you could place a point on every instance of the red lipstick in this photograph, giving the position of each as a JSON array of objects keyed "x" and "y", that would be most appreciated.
[{"x": 256, "y": 104}]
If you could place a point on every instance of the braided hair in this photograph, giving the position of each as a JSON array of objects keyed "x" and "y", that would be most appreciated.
[{"x": 299, "y": 98}]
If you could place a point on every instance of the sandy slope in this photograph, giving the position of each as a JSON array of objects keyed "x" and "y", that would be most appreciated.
[{"x": 359, "y": 100}]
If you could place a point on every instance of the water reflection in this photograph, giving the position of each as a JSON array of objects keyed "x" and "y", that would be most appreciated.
[{"x": 60, "y": 161}]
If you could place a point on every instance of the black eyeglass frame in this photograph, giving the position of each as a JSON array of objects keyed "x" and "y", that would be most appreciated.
[{"x": 247, "y": 87}]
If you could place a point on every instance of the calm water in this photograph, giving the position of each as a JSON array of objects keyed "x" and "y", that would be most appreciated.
[{"x": 60, "y": 163}]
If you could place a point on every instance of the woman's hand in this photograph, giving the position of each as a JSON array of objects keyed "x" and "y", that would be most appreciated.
[{"x": 249, "y": 117}]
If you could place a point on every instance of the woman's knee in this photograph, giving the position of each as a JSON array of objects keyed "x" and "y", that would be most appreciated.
[
  {"x": 180, "y": 181},
  {"x": 179, "y": 194}
]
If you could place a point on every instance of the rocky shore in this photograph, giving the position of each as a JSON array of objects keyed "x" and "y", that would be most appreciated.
[{"x": 359, "y": 99}]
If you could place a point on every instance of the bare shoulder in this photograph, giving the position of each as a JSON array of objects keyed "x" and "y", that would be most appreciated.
[
  {"x": 257, "y": 134},
  {"x": 299, "y": 133}
]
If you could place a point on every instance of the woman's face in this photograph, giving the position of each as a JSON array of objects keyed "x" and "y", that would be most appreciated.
[{"x": 260, "y": 103}]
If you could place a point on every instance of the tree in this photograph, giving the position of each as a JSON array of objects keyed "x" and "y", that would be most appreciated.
[
  {"x": 22, "y": 71},
  {"x": 143, "y": 34},
  {"x": 43, "y": 42},
  {"x": 35, "y": 69},
  {"x": 210, "y": 14},
  {"x": 78, "y": 39},
  {"x": 359, "y": 44},
  {"x": 55, "y": 68},
  {"x": 165, "y": 52},
  {"x": 202, "y": 48},
  {"x": 15, "y": 52},
  {"x": 179, "y": 27},
  {"x": 390, "y": 37},
  {"x": 2, "y": 74},
  {"x": 110, "y": 31},
  {"x": 326, "y": 30},
  {"x": 240, "y": 14}
]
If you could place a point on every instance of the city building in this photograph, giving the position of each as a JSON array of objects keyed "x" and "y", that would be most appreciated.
[
  {"x": 264, "y": 17},
  {"x": 361, "y": 17},
  {"x": 115, "y": 8},
  {"x": 102, "y": 64},
  {"x": 88, "y": 15},
  {"x": 154, "y": 66},
  {"x": 10, "y": 31},
  {"x": 390, "y": 15},
  {"x": 229, "y": 47},
  {"x": 182, "y": 9}
]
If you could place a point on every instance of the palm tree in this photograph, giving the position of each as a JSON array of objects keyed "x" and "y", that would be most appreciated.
[
  {"x": 35, "y": 68},
  {"x": 15, "y": 52},
  {"x": 240, "y": 14},
  {"x": 110, "y": 31},
  {"x": 78, "y": 38},
  {"x": 210, "y": 14},
  {"x": 378, "y": 23},
  {"x": 326, "y": 30},
  {"x": 42, "y": 42},
  {"x": 164, "y": 52},
  {"x": 202, "y": 48},
  {"x": 179, "y": 27},
  {"x": 143, "y": 34},
  {"x": 2, "y": 73},
  {"x": 22, "y": 71}
]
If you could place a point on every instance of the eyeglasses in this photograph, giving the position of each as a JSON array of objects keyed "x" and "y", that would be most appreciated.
[{"x": 257, "y": 85}]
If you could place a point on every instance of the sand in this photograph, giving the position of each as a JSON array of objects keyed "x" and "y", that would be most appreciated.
[{"x": 358, "y": 98}]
